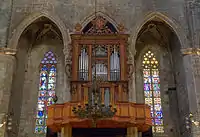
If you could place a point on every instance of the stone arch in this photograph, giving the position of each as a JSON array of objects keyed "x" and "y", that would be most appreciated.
[
  {"x": 171, "y": 63},
  {"x": 89, "y": 18},
  {"x": 13, "y": 43},
  {"x": 157, "y": 16}
]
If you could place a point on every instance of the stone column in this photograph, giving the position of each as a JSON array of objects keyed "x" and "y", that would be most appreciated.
[
  {"x": 192, "y": 63},
  {"x": 131, "y": 77},
  {"x": 132, "y": 132},
  {"x": 195, "y": 97},
  {"x": 7, "y": 64},
  {"x": 68, "y": 63},
  {"x": 66, "y": 131}
]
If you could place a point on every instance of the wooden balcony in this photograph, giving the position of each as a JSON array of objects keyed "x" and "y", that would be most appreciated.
[{"x": 128, "y": 115}]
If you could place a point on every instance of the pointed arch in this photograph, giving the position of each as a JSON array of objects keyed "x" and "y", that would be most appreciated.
[
  {"x": 157, "y": 16},
  {"x": 13, "y": 43},
  {"x": 89, "y": 18}
]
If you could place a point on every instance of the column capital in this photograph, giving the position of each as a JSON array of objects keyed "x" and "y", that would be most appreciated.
[{"x": 191, "y": 51}]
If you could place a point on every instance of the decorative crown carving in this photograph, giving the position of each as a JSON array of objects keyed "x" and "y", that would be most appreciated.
[{"x": 78, "y": 27}]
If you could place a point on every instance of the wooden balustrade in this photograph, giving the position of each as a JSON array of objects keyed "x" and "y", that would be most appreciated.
[
  {"x": 128, "y": 115},
  {"x": 118, "y": 91}
]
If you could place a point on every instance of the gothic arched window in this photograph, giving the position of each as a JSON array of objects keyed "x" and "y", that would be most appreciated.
[
  {"x": 152, "y": 90},
  {"x": 46, "y": 90}
]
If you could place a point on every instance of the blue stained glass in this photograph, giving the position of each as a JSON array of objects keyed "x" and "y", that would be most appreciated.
[
  {"x": 47, "y": 81},
  {"x": 42, "y": 98},
  {"x": 39, "y": 129},
  {"x": 158, "y": 122},
  {"x": 152, "y": 90},
  {"x": 153, "y": 121},
  {"x": 158, "y": 114},
  {"x": 40, "y": 114},
  {"x": 156, "y": 86},
  {"x": 39, "y": 122},
  {"x": 42, "y": 93},
  {"x": 44, "y": 68},
  {"x": 147, "y": 86},
  {"x": 53, "y": 69}
]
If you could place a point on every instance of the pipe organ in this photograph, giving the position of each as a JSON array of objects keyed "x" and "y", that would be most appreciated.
[{"x": 104, "y": 49}]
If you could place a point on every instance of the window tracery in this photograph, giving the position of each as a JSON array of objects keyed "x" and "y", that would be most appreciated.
[
  {"x": 152, "y": 93},
  {"x": 46, "y": 93}
]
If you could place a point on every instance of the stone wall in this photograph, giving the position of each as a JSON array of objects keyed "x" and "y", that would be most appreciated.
[
  {"x": 5, "y": 17},
  {"x": 31, "y": 84},
  {"x": 7, "y": 66},
  {"x": 131, "y": 13}
]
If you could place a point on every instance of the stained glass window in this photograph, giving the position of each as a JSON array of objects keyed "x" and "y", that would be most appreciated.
[
  {"x": 46, "y": 90},
  {"x": 152, "y": 90}
]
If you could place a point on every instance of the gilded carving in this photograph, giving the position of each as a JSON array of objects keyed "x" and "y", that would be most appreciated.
[
  {"x": 191, "y": 51},
  {"x": 78, "y": 27},
  {"x": 121, "y": 27},
  {"x": 8, "y": 51},
  {"x": 195, "y": 52}
]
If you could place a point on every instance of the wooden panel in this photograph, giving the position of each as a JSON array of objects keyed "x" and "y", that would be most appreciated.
[
  {"x": 122, "y": 60},
  {"x": 58, "y": 113},
  {"x": 75, "y": 61},
  {"x": 128, "y": 114}
]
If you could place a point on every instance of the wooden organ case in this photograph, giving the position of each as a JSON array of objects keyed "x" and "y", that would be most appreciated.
[{"x": 100, "y": 42}]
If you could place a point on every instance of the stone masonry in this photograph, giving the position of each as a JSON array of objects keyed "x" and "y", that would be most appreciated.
[{"x": 19, "y": 74}]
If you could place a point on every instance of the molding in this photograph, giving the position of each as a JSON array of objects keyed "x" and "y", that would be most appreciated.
[
  {"x": 8, "y": 51},
  {"x": 190, "y": 51}
]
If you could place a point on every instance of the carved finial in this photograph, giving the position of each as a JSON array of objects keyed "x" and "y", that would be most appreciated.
[
  {"x": 78, "y": 27},
  {"x": 120, "y": 27}
]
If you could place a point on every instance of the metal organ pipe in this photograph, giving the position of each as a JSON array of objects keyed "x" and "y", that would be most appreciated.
[{"x": 83, "y": 65}]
